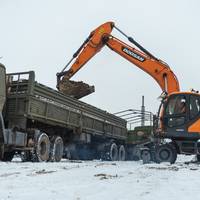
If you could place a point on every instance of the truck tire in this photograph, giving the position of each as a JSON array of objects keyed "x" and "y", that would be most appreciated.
[
  {"x": 56, "y": 149},
  {"x": 8, "y": 156},
  {"x": 42, "y": 148},
  {"x": 122, "y": 153},
  {"x": 165, "y": 153},
  {"x": 113, "y": 152}
]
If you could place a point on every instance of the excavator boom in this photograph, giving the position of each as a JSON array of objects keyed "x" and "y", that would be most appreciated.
[
  {"x": 141, "y": 58},
  {"x": 159, "y": 70}
]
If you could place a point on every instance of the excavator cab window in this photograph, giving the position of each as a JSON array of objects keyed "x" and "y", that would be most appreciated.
[
  {"x": 176, "y": 105},
  {"x": 175, "y": 112},
  {"x": 194, "y": 106}
]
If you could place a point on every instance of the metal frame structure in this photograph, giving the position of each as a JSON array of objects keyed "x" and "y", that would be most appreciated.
[{"x": 135, "y": 117}]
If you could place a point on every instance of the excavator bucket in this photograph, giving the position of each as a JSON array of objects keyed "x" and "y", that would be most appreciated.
[{"x": 76, "y": 89}]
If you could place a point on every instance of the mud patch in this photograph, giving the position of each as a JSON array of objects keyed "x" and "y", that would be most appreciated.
[
  {"x": 75, "y": 161},
  {"x": 103, "y": 164},
  {"x": 171, "y": 168},
  {"x": 73, "y": 167},
  {"x": 107, "y": 176},
  {"x": 41, "y": 172}
]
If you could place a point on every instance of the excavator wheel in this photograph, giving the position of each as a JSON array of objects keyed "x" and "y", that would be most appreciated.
[{"x": 165, "y": 153}]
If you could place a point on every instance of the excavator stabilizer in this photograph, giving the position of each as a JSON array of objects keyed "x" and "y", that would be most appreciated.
[{"x": 76, "y": 89}]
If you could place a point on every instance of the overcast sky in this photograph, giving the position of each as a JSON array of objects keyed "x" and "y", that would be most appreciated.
[{"x": 42, "y": 35}]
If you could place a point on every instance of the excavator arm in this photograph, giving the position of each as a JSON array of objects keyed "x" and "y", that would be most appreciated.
[
  {"x": 90, "y": 47},
  {"x": 141, "y": 58}
]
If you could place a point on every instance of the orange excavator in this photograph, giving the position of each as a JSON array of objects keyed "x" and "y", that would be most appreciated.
[{"x": 179, "y": 113}]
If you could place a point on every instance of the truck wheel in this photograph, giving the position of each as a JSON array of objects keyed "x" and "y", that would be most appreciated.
[
  {"x": 8, "y": 156},
  {"x": 146, "y": 156},
  {"x": 42, "y": 148},
  {"x": 122, "y": 153},
  {"x": 56, "y": 149},
  {"x": 113, "y": 152},
  {"x": 165, "y": 153}
]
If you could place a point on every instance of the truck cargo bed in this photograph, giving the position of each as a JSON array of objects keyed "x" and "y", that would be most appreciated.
[{"x": 29, "y": 100}]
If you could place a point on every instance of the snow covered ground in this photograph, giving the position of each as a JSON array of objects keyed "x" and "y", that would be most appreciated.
[{"x": 97, "y": 180}]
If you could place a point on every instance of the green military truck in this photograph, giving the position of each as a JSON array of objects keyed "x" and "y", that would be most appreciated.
[
  {"x": 137, "y": 140},
  {"x": 140, "y": 134},
  {"x": 42, "y": 124}
]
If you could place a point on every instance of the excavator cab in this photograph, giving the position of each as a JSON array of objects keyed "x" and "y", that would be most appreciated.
[{"x": 181, "y": 116}]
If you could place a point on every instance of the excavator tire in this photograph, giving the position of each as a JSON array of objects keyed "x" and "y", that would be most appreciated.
[{"x": 165, "y": 153}]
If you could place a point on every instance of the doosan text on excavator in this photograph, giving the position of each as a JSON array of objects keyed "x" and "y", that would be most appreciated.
[{"x": 42, "y": 124}]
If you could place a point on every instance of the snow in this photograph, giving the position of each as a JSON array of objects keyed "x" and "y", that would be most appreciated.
[{"x": 97, "y": 180}]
